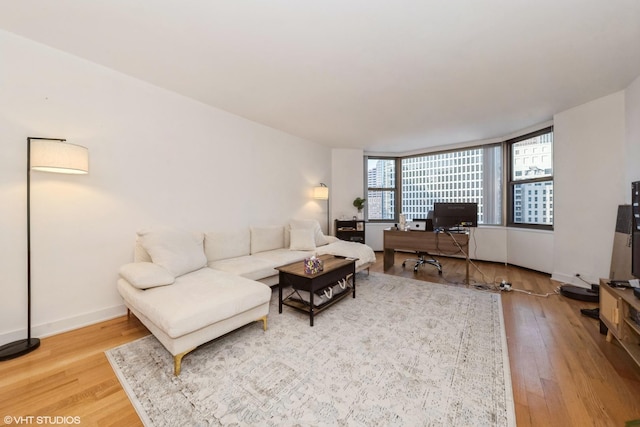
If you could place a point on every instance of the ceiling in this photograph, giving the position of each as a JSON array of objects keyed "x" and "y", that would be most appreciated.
[{"x": 380, "y": 75}]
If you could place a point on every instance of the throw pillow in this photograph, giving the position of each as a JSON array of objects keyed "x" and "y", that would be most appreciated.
[
  {"x": 178, "y": 251},
  {"x": 302, "y": 240},
  {"x": 312, "y": 224},
  {"x": 145, "y": 275}
]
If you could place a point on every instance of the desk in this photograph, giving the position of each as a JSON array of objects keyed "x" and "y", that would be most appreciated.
[{"x": 424, "y": 241}]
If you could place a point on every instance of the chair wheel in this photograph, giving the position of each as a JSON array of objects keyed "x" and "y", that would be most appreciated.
[
  {"x": 440, "y": 272},
  {"x": 403, "y": 264}
]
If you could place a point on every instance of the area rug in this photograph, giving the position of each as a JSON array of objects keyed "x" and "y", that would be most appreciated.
[{"x": 403, "y": 352}]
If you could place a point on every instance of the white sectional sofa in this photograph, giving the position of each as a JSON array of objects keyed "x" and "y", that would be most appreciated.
[
  {"x": 189, "y": 288},
  {"x": 255, "y": 252}
]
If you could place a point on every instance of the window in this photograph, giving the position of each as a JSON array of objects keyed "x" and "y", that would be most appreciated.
[
  {"x": 444, "y": 177},
  {"x": 531, "y": 172},
  {"x": 381, "y": 189},
  {"x": 411, "y": 185}
]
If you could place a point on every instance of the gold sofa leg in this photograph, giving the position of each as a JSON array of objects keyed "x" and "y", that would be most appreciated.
[
  {"x": 177, "y": 362},
  {"x": 264, "y": 322}
]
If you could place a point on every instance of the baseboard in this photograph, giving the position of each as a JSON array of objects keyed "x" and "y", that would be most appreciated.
[
  {"x": 570, "y": 280},
  {"x": 65, "y": 325}
]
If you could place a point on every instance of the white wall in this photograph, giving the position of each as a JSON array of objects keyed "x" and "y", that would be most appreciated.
[
  {"x": 488, "y": 243},
  {"x": 155, "y": 158},
  {"x": 530, "y": 248},
  {"x": 632, "y": 148},
  {"x": 523, "y": 247},
  {"x": 347, "y": 170},
  {"x": 589, "y": 184}
]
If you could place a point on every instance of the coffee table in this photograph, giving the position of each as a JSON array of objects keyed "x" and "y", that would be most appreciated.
[{"x": 335, "y": 270}]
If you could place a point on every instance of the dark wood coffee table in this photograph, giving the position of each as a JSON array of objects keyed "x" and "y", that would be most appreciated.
[{"x": 335, "y": 270}]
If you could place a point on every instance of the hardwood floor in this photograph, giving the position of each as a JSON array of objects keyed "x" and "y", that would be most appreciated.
[
  {"x": 563, "y": 371},
  {"x": 69, "y": 376}
]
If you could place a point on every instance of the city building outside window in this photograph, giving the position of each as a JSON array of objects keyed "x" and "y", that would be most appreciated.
[
  {"x": 468, "y": 175},
  {"x": 411, "y": 185},
  {"x": 381, "y": 189},
  {"x": 531, "y": 180}
]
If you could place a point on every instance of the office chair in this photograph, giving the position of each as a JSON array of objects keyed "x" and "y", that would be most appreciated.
[{"x": 425, "y": 257}]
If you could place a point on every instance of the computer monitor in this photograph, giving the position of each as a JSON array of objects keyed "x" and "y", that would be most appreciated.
[{"x": 454, "y": 215}]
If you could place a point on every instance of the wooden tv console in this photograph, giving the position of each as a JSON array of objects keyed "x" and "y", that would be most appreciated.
[{"x": 617, "y": 306}]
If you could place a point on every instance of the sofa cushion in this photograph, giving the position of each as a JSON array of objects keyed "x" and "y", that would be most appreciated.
[
  {"x": 145, "y": 275},
  {"x": 279, "y": 257},
  {"x": 302, "y": 240},
  {"x": 309, "y": 224},
  {"x": 178, "y": 251},
  {"x": 196, "y": 300},
  {"x": 266, "y": 239},
  {"x": 248, "y": 266},
  {"x": 227, "y": 244}
]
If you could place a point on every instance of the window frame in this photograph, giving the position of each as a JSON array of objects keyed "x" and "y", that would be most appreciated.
[
  {"x": 511, "y": 182},
  {"x": 508, "y": 181},
  {"x": 396, "y": 190}
]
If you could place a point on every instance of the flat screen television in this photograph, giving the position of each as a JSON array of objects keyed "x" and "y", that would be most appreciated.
[
  {"x": 454, "y": 215},
  {"x": 635, "y": 231}
]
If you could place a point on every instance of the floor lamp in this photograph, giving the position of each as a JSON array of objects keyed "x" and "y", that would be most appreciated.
[
  {"x": 46, "y": 155},
  {"x": 322, "y": 193}
]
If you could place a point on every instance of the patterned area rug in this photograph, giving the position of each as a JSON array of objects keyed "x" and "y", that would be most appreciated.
[{"x": 404, "y": 353}]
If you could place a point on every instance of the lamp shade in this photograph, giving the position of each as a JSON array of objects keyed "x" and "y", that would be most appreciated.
[
  {"x": 59, "y": 157},
  {"x": 321, "y": 193}
]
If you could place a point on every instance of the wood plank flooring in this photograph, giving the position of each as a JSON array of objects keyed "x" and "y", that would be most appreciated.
[{"x": 563, "y": 371}]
